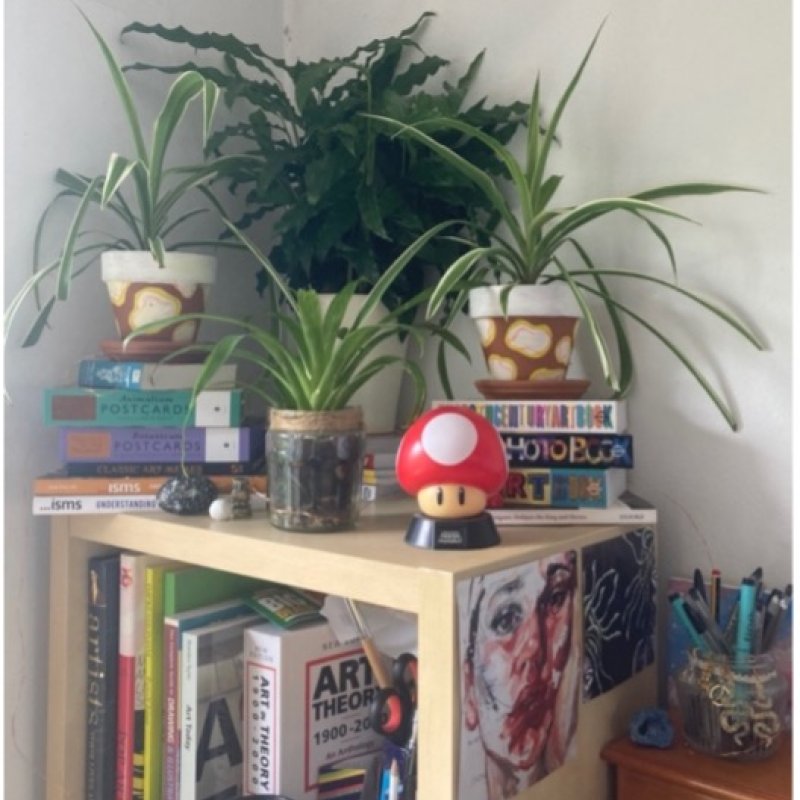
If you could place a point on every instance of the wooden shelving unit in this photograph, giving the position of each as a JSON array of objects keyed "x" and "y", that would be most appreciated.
[{"x": 371, "y": 564}]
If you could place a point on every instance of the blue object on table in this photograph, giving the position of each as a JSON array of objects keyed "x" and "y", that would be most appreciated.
[{"x": 651, "y": 727}]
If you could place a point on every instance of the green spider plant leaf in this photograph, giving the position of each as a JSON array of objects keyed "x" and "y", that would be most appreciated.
[
  {"x": 65, "y": 263},
  {"x": 117, "y": 171},
  {"x": 123, "y": 91},
  {"x": 181, "y": 93}
]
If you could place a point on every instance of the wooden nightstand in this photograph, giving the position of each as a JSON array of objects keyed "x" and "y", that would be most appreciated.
[{"x": 645, "y": 773}]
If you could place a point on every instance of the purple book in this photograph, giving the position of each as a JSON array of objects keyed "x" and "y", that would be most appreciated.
[{"x": 161, "y": 444}]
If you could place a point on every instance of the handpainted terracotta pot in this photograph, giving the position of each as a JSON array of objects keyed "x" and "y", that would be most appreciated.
[
  {"x": 534, "y": 339},
  {"x": 141, "y": 292}
]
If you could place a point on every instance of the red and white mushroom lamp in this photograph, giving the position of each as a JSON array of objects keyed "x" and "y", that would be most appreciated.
[{"x": 452, "y": 459}]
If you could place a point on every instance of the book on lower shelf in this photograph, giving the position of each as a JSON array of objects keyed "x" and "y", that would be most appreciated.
[
  {"x": 212, "y": 753},
  {"x": 301, "y": 714},
  {"x": 174, "y": 627},
  {"x": 187, "y": 589},
  {"x": 102, "y": 676},
  {"x": 131, "y": 706}
]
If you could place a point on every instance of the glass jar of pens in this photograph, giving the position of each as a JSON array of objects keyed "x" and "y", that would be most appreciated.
[
  {"x": 732, "y": 695},
  {"x": 732, "y": 706}
]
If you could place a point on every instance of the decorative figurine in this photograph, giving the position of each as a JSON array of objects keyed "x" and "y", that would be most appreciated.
[
  {"x": 453, "y": 460},
  {"x": 240, "y": 497}
]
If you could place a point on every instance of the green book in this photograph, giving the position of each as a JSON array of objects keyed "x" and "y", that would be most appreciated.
[
  {"x": 83, "y": 407},
  {"x": 191, "y": 587},
  {"x": 153, "y": 689}
]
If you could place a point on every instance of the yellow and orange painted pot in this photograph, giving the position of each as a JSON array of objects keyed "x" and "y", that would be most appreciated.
[
  {"x": 142, "y": 292},
  {"x": 534, "y": 339}
]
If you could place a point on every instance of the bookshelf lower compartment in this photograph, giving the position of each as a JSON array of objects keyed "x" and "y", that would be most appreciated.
[{"x": 373, "y": 565}]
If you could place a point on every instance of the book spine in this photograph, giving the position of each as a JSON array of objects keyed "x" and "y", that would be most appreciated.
[
  {"x": 158, "y": 408},
  {"x": 154, "y": 623},
  {"x": 102, "y": 686},
  {"x": 260, "y": 722},
  {"x": 107, "y": 374},
  {"x": 129, "y": 470},
  {"x": 127, "y": 677},
  {"x": 130, "y": 486},
  {"x": 569, "y": 450},
  {"x": 564, "y": 488},
  {"x": 574, "y": 516},
  {"x": 137, "y": 444},
  {"x": 171, "y": 711},
  {"x": 51, "y": 505},
  {"x": 549, "y": 416},
  {"x": 189, "y": 721},
  {"x": 98, "y": 373}
]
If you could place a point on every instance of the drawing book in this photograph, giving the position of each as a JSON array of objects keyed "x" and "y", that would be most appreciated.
[{"x": 174, "y": 627}]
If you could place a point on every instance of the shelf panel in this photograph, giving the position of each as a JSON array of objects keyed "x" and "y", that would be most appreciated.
[{"x": 371, "y": 564}]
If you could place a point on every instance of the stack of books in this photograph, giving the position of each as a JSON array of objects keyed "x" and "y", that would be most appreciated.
[
  {"x": 568, "y": 462},
  {"x": 202, "y": 683},
  {"x": 379, "y": 479},
  {"x": 127, "y": 427}
]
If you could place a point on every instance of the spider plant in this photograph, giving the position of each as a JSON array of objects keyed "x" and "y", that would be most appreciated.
[
  {"x": 148, "y": 216},
  {"x": 536, "y": 243},
  {"x": 308, "y": 359}
]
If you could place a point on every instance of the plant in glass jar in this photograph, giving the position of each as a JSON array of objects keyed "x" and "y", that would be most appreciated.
[{"x": 310, "y": 362}]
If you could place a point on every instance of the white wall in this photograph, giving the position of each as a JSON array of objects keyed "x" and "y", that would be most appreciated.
[
  {"x": 61, "y": 111},
  {"x": 677, "y": 90}
]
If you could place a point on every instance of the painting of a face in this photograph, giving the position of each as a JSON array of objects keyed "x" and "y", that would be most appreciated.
[{"x": 519, "y": 644}]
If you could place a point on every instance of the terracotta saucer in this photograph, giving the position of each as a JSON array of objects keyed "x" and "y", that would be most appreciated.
[
  {"x": 143, "y": 350},
  {"x": 569, "y": 389}
]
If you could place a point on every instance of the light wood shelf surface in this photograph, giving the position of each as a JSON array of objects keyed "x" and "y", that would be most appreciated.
[{"x": 370, "y": 564}]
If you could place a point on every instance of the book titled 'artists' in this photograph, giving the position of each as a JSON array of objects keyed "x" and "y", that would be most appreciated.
[
  {"x": 121, "y": 407},
  {"x": 307, "y": 705},
  {"x": 102, "y": 677}
]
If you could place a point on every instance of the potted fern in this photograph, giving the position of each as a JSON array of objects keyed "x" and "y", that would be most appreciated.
[
  {"x": 149, "y": 275},
  {"x": 533, "y": 272},
  {"x": 344, "y": 199},
  {"x": 310, "y": 362}
]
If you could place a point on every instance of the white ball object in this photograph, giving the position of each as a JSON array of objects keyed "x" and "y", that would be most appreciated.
[{"x": 221, "y": 508}]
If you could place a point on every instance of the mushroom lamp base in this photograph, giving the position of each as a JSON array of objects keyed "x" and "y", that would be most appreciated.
[{"x": 468, "y": 533}]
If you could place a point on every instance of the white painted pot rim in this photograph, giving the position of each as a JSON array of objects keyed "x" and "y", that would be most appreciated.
[
  {"x": 552, "y": 299},
  {"x": 140, "y": 266}
]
